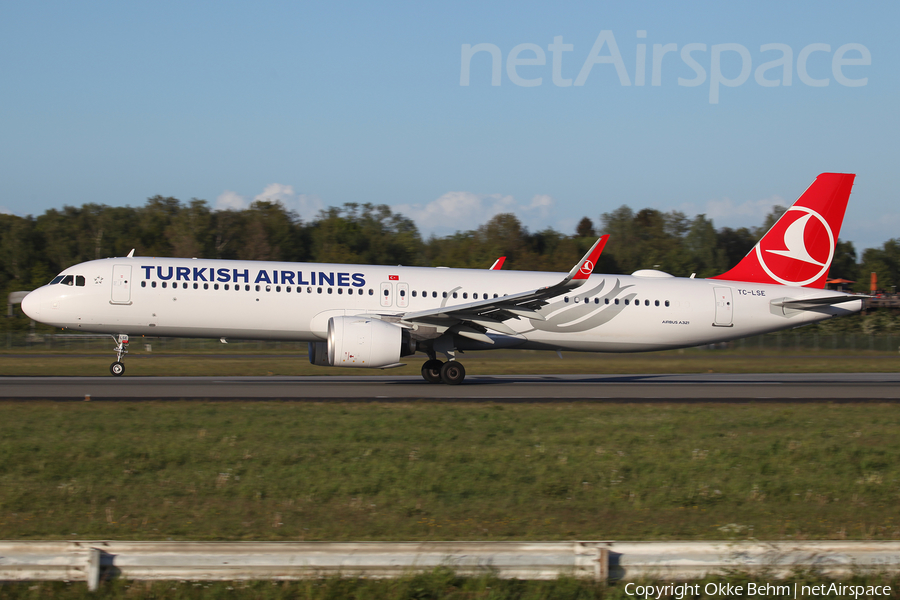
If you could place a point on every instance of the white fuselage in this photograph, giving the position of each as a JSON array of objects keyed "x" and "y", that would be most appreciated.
[{"x": 294, "y": 301}]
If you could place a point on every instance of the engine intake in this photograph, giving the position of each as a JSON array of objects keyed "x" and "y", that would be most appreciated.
[{"x": 361, "y": 342}]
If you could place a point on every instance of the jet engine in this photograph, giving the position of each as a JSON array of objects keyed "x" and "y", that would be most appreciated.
[{"x": 361, "y": 342}]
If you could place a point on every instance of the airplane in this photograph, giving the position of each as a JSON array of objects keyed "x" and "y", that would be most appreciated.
[{"x": 374, "y": 316}]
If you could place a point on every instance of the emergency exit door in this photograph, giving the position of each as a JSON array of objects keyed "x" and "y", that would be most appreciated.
[{"x": 387, "y": 294}]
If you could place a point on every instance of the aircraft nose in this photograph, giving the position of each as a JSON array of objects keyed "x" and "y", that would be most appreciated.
[{"x": 31, "y": 305}]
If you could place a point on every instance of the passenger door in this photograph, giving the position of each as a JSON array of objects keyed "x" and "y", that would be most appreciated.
[
  {"x": 121, "y": 284},
  {"x": 724, "y": 317}
]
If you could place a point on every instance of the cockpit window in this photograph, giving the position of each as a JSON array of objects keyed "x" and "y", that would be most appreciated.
[
  {"x": 79, "y": 280},
  {"x": 55, "y": 280},
  {"x": 68, "y": 280}
]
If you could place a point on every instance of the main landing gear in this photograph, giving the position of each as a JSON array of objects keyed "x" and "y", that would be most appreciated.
[
  {"x": 118, "y": 367},
  {"x": 450, "y": 372}
]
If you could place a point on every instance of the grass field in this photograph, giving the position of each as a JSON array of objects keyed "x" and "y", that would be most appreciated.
[
  {"x": 440, "y": 584},
  {"x": 284, "y": 471}
]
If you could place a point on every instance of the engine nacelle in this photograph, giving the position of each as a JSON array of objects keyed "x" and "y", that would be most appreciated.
[{"x": 361, "y": 342}]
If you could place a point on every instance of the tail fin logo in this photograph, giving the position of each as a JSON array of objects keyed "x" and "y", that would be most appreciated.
[
  {"x": 798, "y": 249},
  {"x": 587, "y": 267}
]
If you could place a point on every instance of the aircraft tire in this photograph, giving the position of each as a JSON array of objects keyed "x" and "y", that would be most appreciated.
[
  {"x": 117, "y": 368},
  {"x": 453, "y": 373},
  {"x": 431, "y": 371}
]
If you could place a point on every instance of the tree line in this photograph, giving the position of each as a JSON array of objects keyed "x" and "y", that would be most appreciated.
[{"x": 34, "y": 249}]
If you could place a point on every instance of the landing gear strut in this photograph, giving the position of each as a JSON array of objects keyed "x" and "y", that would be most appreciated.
[
  {"x": 118, "y": 367},
  {"x": 450, "y": 372}
]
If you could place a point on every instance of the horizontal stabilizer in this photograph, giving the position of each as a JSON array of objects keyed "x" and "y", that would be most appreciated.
[
  {"x": 795, "y": 304},
  {"x": 814, "y": 302}
]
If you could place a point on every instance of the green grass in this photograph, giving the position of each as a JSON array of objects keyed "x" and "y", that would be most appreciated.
[
  {"x": 440, "y": 584},
  {"x": 426, "y": 471}
]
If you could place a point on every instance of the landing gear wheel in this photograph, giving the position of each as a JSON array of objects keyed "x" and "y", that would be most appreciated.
[
  {"x": 117, "y": 368},
  {"x": 452, "y": 373},
  {"x": 431, "y": 370}
]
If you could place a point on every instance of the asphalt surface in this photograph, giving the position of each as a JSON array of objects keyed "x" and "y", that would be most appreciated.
[{"x": 714, "y": 387}]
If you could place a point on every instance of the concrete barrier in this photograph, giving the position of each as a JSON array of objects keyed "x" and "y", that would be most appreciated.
[{"x": 93, "y": 561}]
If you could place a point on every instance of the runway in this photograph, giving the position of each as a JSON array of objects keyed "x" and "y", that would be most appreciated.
[{"x": 713, "y": 387}]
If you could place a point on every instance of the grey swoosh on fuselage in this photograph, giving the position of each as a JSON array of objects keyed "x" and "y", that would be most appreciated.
[{"x": 585, "y": 315}]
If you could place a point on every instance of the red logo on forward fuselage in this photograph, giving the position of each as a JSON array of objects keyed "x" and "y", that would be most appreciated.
[{"x": 798, "y": 249}]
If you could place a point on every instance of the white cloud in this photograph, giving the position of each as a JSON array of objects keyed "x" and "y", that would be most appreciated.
[
  {"x": 229, "y": 200},
  {"x": 305, "y": 205},
  {"x": 457, "y": 211},
  {"x": 727, "y": 213}
]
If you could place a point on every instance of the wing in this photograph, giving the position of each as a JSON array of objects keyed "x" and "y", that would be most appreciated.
[{"x": 473, "y": 318}]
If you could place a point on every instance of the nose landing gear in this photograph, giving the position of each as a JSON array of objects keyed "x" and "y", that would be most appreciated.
[
  {"x": 118, "y": 367},
  {"x": 450, "y": 372}
]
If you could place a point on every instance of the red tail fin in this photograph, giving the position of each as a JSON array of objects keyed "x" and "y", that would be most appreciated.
[{"x": 799, "y": 248}]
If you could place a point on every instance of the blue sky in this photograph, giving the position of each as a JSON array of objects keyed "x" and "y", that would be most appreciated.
[{"x": 317, "y": 104}]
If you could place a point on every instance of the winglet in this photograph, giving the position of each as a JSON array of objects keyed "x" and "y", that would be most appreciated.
[
  {"x": 131, "y": 254},
  {"x": 498, "y": 264},
  {"x": 586, "y": 265}
]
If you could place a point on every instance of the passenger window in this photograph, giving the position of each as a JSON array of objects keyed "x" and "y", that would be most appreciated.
[
  {"x": 153, "y": 284},
  {"x": 465, "y": 296},
  {"x": 257, "y": 288},
  {"x": 79, "y": 280},
  {"x": 455, "y": 295},
  {"x": 277, "y": 288},
  {"x": 606, "y": 300},
  {"x": 371, "y": 291},
  {"x": 268, "y": 288},
  {"x": 566, "y": 299},
  {"x": 434, "y": 294},
  {"x": 667, "y": 303},
  {"x": 144, "y": 284},
  {"x": 288, "y": 289},
  {"x": 646, "y": 303},
  {"x": 329, "y": 290},
  {"x": 226, "y": 287},
  {"x": 164, "y": 285},
  {"x": 215, "y": 285},
  {"x": 626, "y": 301},
  {"x": 205, "y": 286},
  {"x": 340, "y": 290},
  {"x": 656, "y": 302},
  {"x": 414, "y": 293},
  {"x": 617, "y": 301},
  {"x": 196, "y": 286},
  {"x": 495, "y": 295}
]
